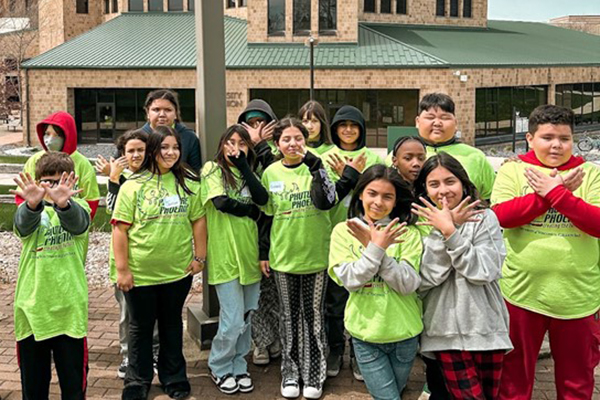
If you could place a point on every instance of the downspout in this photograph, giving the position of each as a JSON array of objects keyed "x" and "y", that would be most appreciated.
[{"x": 27, "y": 105}]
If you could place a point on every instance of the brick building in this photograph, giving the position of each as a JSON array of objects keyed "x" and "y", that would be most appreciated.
[
  {"x": 379, "y": 55},
  {"x": 583, "y": 23}
]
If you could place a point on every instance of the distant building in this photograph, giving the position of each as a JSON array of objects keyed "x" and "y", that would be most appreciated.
[{"x": 583, "y": 23}]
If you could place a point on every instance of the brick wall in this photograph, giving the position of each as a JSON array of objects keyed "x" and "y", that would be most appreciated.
[
  {"x": 236, "y": 12},
  {"x": 583, "y": 23},
  {"x": 51, "y": 24}
]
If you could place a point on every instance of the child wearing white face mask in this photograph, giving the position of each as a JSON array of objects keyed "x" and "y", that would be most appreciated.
[{"x": 58, "y": 132}]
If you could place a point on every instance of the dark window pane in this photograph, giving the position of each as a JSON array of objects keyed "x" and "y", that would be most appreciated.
[
  {"x": 369, "y": 5},
  {"x": 386, "y": 6},
  {"x": 106, "y": 6},
  {"x": 596, "y": 104},
  {"x": 187, "y": 103},
  {"x": 327, "y": 15},
  {"x": 467, "y": 9},
  {"x": 126, "y": 111},
  {"x": 587, "y": 107},
  {"x": 136, "y": 5},
  {"x": 115, "y": 6},
  {"x": 175, "y": 5},
  {"x": 82, "y": 6},
  {"x": 242, "y": 3},
  {"x": 230, "y": 3},
  {"x": 301, "y": 16},
  {"x": 191, "y": 5},
  {"x": 440, "y": 8},
  {"x": 401, "y": 7},
  {"x": 454, "y": 8},
  {"x": 276, "y": 17},
  {"x": 155, "y": 5}
]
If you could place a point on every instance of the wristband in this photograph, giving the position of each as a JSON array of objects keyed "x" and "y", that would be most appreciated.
[{"x": 200, "y": 260}]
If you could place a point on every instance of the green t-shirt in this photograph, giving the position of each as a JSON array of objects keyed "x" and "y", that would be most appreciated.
[
  {"x": 376, "y": 313},
  {"x": 300, "y": 232},
  {"x": 160, "y": 235},
  {"x": 322, "y": 149},
  {"x": 339, "y": 213},
  {"x": 473, "y": 160},
  {"x": 232, "y": 251},
  {"x": 83, "y": 170},
  {"x": 551, "y": 267},
  {"x": 51, "y": 297}
]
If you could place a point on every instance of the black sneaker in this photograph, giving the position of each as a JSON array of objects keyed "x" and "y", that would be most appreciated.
[
  {"x": 334, "y": 364},
  {"x": 226, "y": 384},
  {"x": 244, "y": 383}
]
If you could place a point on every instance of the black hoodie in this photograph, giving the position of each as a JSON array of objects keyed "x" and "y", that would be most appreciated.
[
  {"x": 349, "y": 113},
  {"x": 258, "y": 105}
]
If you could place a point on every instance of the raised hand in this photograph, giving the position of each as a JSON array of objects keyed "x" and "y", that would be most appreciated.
[
  {"x": 255, "y": 133},
  {"x": 30, "y": 191},
  {"x": 267, "y": 131},
  {"x": 441, "y": 219},
  {"x": 337, "y": 164},
  {"x": 117, "y": 167},
  {"x": 389, "y": 235},
  {"x": 465, "y": 211},
  {"x": 359, "y": 231},
  {"x": 573, "y": 179},
  {"x": 102, "y": 166},
  {"x": 61, "y": 193},
  {"x": 359, "y": 162},
  {"x": 231, "y": 150},
  {"x": 541, "y": 183}
]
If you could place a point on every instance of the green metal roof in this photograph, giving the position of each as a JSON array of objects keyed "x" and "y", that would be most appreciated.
[
  {"x": 167, "y": 41},
  {"x": 502, "y": 43}
]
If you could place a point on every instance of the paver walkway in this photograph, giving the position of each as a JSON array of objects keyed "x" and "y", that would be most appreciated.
[{"x": 105, "y": 359}]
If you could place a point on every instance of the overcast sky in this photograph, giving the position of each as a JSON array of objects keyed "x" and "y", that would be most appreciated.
[{"x": 540, "y": 10}]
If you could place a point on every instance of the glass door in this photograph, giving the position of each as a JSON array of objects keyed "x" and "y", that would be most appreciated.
[{"x": 106, "y": 122}]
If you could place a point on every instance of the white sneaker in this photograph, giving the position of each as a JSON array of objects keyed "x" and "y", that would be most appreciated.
[
  {"x": 244, "y": 382},
  {"x": 226, "y": 384},
  {"x": 311, "y": 392},
  {"x": 290, "y": 389},
  {"x": 260, "y": 356}
]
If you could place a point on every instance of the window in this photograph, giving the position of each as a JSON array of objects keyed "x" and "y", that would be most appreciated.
[
  {"x": 230, "y": 3},
  {"x": 454, "y": 8},
  {"x": 440, "y": 8},
  {"x": 583, "y": 99},
  {"x": 191, "y": 5},
  {"x": 106, "y": 6},
  {"x": 136, "y": 5},
  {"x": 327, "y": 15},
  {"x": 301, "y": 17},
  {"x": 276, "y": 24},
  {"x": 401, "y": 7},
  {"x": 82, "y": 6},
  {"x": 12, "y": 6},
  {"x": 369, "y": 6},
  {"x": 115, "y": 8},
  {"x": 175, "y": 5},
  {"x": 467, "y": 9},
  {"x": 155, "y": 5},
  {"x": 386, "y": 7},
  {"x": 242, "y": 3}
]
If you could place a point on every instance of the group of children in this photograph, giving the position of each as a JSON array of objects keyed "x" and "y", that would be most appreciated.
[{"x": 307, "y": 235}]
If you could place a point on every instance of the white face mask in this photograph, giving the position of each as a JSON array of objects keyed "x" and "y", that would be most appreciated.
[{"x": 54, "y": 143}]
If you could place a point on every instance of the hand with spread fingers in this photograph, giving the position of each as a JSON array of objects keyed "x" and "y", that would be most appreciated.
[
  {"x": 573, "y": 179},
  {"x": 255, "y": 133},
  {"x": 267, "y": 131},
  {"x": 102, "y": 165},
  {"x": 61, "y": 193},
  {"x": 441, "y": 219},
  {"x": 465, "y": 211},
  {"x": 358, "y": 163},
  {"x": 541, "y": 183},
  {"x": 388, "y": 235},
  {"x": 359, "y": 231},
  {"x": 117, "y": 166},
  {"x": 336, "y": 163},
  {"x": 30, "y": 191}
]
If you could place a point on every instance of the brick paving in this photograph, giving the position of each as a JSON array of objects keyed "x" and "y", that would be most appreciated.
[{"x": 105, "y": 359}]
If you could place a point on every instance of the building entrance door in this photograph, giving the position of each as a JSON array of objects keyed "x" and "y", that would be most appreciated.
[{"x": 106, "y": 122}]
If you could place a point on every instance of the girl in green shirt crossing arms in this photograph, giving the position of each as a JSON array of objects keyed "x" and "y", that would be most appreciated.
[
  {"x": 158, "y": 210},
  {"x": 230, "y": 190},
  {"x": 375, "y": 255}
]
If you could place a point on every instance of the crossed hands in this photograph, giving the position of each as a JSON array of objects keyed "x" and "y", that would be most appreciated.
[
  {"x": 337, "y": 164},
  {"x": 445, "y": 219},
  {"x": 543, "y": 184},
  {"x": 33, "y": 193},
  {"x": 261, "y": 132},
  {"x": 382, "y": 237},
  {"x": 113, "y": 168}
]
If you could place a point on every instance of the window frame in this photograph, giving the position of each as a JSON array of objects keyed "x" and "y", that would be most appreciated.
[
  {"x": 82, "y": 6},
  {"x": 278, "y": 32},
  {"x": 301, "y": 32},
  {"x": 365, "y": 6},
  {"x": 388, "y": 6}
]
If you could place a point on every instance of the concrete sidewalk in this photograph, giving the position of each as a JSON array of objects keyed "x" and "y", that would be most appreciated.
[{"x": 105, "y": 359}]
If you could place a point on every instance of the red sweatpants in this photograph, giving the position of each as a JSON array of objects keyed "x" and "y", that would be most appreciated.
[{"x": 574, "y": 346}]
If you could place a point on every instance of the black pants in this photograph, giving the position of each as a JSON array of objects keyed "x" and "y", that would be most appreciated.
[
  {"x": 435, "y": 380},
  {"x": 145, "y": 305},
  {"x": 336, "y": 298},
  {"x": 71, "y": 361}
]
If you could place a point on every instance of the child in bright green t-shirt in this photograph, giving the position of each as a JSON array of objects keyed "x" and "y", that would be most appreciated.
[
  {"x": 376, "y": 257},
  {"x": 314, "y": 118},
  {"x": 51, "y": 297},
  {"x": 159, "y": 242},
  {"x": 230, "y": 190}
]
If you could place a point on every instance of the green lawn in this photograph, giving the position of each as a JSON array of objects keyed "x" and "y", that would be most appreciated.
[{"x": 13, "y": 159}]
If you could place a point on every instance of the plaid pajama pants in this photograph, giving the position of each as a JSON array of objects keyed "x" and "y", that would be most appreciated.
[{"x": 472, "y": 375}]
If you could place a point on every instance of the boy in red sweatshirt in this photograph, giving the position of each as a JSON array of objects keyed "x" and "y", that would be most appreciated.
[{"x": 549, "y": 205}]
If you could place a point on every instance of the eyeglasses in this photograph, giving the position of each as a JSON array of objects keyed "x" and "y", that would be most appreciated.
[{"x": 52, "y": 182}]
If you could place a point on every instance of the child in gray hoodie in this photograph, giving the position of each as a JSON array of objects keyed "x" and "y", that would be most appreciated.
[{"x": 465, "y": 318}]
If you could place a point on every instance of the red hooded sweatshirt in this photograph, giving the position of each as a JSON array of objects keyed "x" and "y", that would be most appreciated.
[
  {"x": 83, "y": 168},
  {"x": 522, "y": 210}
]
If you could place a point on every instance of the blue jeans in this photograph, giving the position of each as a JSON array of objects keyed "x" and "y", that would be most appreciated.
[
  {"x": 232, "y": 342},
  {"x": 385, "y": 367}
]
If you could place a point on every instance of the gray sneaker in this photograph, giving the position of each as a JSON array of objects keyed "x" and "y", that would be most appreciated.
[
  {"x": 356, "y": 370},
  {"x": 334, "y": 364}
]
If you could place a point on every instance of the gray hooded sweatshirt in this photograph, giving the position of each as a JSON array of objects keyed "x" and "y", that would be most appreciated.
[{"x": 462, "y": 303}]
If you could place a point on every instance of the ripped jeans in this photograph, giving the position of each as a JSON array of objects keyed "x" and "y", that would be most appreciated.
[{"x": 232, "y": 342}]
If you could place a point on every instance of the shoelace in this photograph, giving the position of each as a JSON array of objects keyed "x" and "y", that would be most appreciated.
[{"x": 290, "y": 382}]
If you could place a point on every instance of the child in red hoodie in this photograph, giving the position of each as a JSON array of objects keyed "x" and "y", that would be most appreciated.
[
  {"x": 549, "y": 206},
  {"x": 57, "y": 132}
]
